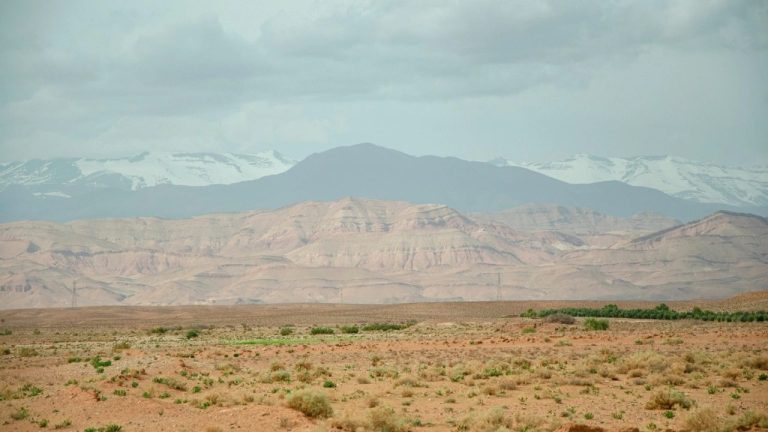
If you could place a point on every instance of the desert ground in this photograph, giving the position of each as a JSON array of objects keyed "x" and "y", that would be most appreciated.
[{"x": 451, "y": 367}]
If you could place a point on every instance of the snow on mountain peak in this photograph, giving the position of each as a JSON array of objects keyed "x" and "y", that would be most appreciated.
[
  {"x": 145, "y": 170},
  {"x": 680, "y": 177}
]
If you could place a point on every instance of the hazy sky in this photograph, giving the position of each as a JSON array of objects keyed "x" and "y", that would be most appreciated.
[{"x": 528, "y": 80}]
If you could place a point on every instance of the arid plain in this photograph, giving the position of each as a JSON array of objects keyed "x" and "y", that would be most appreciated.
[{"x": 451, "y": 367}]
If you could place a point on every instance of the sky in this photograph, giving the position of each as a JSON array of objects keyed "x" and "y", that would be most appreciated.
[{"x": 527, "y": 80}]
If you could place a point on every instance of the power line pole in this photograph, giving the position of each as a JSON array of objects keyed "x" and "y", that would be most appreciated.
[
  {"x": 498, "y": 286},
  {"x": 74, "y": 293}
]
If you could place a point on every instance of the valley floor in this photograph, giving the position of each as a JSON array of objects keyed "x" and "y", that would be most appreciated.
[{"x": 458, "y": 367}]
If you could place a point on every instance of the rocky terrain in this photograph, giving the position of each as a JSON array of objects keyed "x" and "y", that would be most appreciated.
[{"x": 370, "y": 251}]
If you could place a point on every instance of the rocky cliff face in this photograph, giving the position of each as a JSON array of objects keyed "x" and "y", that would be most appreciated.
[{"x": 371, "y": 251}]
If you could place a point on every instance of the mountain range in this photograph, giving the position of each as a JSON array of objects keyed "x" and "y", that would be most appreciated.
[
  {"x": 678, "y": 177},
  {"x": 55, "y": 176},
  {"x": 681, "y": 178},
  {"x": 376, "y": 251},
  {"x": 363, "y": 170}
]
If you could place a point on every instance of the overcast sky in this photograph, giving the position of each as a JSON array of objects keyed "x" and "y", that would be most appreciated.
[{"x": 527, "y": 80}]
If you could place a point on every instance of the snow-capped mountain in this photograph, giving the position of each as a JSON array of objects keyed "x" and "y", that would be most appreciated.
[
  {"x": 682, "y": 178},
  {"x": 52, "y": 177}
]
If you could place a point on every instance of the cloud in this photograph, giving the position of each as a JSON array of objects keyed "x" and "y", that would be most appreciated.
[{"x": 84, "y": 75}]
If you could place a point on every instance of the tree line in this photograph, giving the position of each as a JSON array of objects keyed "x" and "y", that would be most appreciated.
[{"x": 660, "y": 312}]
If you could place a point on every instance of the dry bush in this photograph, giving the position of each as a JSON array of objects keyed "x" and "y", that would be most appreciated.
[
  {"x": 384, "y": 419},
  {"x": 668, "y": 399},
  {"x": 506, "y": 384},
  {"x": 310, "y": 403},
  {"x": 408, "y": 382},
  {"x": 490, "y": 390},
  {"x": 497, "y": 420},
  {"x": 703, "y": 420},
  {"x": 756, "y": 362},
  {"x": 749, "y": 420},
  {"x": 348, "y": 424},
  {"x": 668, "y": 379},
  {"x": 560, "y": 318},
  {"x": 650, "y": 361},
  {"x": 490, "y": 421},
  {"x": 732, "y": 373}
]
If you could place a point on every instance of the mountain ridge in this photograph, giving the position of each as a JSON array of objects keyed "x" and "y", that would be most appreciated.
[
  {"x": 146, "y": 169},
  {"x": 683, "y": 178},
  {"x": 374, "y": 251}
]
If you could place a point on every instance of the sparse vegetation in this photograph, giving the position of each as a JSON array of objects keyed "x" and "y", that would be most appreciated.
[{"x": 459, "y": 376}]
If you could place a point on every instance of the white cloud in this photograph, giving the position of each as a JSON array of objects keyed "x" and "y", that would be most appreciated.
[{"x": 79, "y": 77}]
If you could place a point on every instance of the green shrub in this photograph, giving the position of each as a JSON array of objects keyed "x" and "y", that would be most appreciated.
[
  {"x": 350, "y": 329},
  {"x": 286, "y": 331},
  {"x": 596, "y": 324},
  {"x": 321, "y": 330},
  {"x": 329, "y": 384},
  {"x": 171, "y": 382},
  {"x": 192, "y": 334},
  {"x": 310, "y": 403},
  {"x": 28, "y": 390},
  {"x": 385, "y": 326},
  {"x": 98, "y": 363},
  {"x": 108, "y": 428},
  {"x": 63, "y": 424},
  {"x": 20, "y": 414}
]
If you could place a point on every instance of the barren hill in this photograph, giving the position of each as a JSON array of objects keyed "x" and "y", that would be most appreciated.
[{"x": 371, "y": 251}]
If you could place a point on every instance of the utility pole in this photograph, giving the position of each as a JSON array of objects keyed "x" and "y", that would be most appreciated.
[
  {"x": 498, "y": 286},
  {"x": 341, "y": 295},
  {"x": 74, "y": 293}
]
